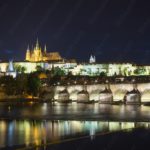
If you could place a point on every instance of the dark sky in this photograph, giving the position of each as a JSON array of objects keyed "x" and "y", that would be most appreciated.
[{"x": 112, "y": 30}]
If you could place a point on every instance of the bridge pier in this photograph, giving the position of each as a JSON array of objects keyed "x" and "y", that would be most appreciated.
[{"x": 124, "y": 92}]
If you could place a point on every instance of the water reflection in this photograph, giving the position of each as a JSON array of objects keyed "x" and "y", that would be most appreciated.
[
  {"x": 37, "y": 132},
  {"x": 74, "y": 110}
]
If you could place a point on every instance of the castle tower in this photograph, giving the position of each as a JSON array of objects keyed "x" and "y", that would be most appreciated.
[
  {"x": 28, "y": 54},
  {"x": 45, "y": 49},
  {"x": 10, "y": 70},
  {"x": 37, "y": 44},
  {"x": 10, "y": 66},
  {"x": 92, "y": 59},
  {"x": 37, "y": 52},
  {"x": 40, "y": 54}
]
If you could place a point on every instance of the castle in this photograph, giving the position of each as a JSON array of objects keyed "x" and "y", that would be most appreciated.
[
  {"x": 37, "y": 55},
  {"x": 48, "y": 60}
]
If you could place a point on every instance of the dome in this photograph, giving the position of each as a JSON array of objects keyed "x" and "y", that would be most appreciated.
[{"x": 42, "y": 76}]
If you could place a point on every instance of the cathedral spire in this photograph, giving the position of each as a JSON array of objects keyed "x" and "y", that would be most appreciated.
[
  {"x": 28, "y": 54},
  {"x": 28, "y": 48},
  {"x": 37, "y": 44},
  {"x": 92, "y": 59},
  {"x": 45, "y": 49}
]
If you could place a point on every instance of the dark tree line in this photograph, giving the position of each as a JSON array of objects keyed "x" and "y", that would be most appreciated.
[{"x": 22, "y": 84}]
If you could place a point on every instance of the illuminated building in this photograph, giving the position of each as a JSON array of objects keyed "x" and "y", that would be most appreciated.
[
  {"x": 92, "y": 59},
  {"x": 36, "y": 54},
  {"x": 47, "y": 60},
  {"x": 83, "y": 69},
  {"x": 10, "y": 70}
]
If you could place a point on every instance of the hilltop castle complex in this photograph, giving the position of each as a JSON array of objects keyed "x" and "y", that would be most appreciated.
[
  {"x": 108, "y": 82},
  {"x": 37, "y": 55}
]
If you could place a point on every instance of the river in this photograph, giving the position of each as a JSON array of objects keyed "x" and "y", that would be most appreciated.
[{"x": 37, "y": 123}]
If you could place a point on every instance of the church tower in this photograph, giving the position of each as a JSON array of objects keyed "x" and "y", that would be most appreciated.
[
  {"x": 92, "y": 59},
  {"x": 37, "y": 44},
  {"x": 37, "y": 52},
  {"x": 45, "y": 49},
  {"x": 28, "y": 54}
]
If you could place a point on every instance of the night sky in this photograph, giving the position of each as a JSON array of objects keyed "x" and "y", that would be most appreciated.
[{"x": 112, "y": 30}]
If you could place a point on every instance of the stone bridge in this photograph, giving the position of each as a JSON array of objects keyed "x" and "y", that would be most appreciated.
[{"x": 118, "y": 90}]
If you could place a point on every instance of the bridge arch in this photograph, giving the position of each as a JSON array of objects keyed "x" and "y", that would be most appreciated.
[
  {"x": 145, "y": 96},
  {"x": 94, "y": 95},
  {"x": 119, "y": 95}
]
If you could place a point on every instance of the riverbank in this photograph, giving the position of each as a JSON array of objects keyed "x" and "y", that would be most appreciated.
[
  {"x": 20, "y": 100},
  {"x": 137, "y": 139}
]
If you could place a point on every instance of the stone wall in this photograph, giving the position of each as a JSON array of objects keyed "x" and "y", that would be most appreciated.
[{"x": 118, "y": 91}]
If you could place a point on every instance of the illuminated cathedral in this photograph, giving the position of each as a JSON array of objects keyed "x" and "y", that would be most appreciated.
[{"x": 36, "y": 54}]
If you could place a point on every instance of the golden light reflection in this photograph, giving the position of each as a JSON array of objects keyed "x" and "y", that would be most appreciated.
[
  {"x": 40, "y": 132},
  {"x": 37, "y": 135},
  {"x": 114, "y": 126},
  {"x": 3, "y": 131},
  {"x": 77, "y": 126},
  {"x": 127, "y": 125},
  {"x": 27, "y": 132}
]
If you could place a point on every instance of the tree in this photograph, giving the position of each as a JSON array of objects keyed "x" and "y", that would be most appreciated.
[
  {"x": 33, "y": 84},
  {"x": 21, "y": 84},
  {"x": 9, "y": 84},
  {"x": 20, "y": 69},
  {"x": 58, "y": 72},
  {"x": 103, "y": 74},
  {"x": 39, "y": 68},
  {"x": 140, "y": 71},
  {"x": 23, "y": 69},
  {"x": 14, "y": 86},
  {"x": 17, "y": 68},
  {"x": 70, "y": 74}
]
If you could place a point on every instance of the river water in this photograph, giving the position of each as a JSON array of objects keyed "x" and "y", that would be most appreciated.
[{"x": 37, "y": 123}]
